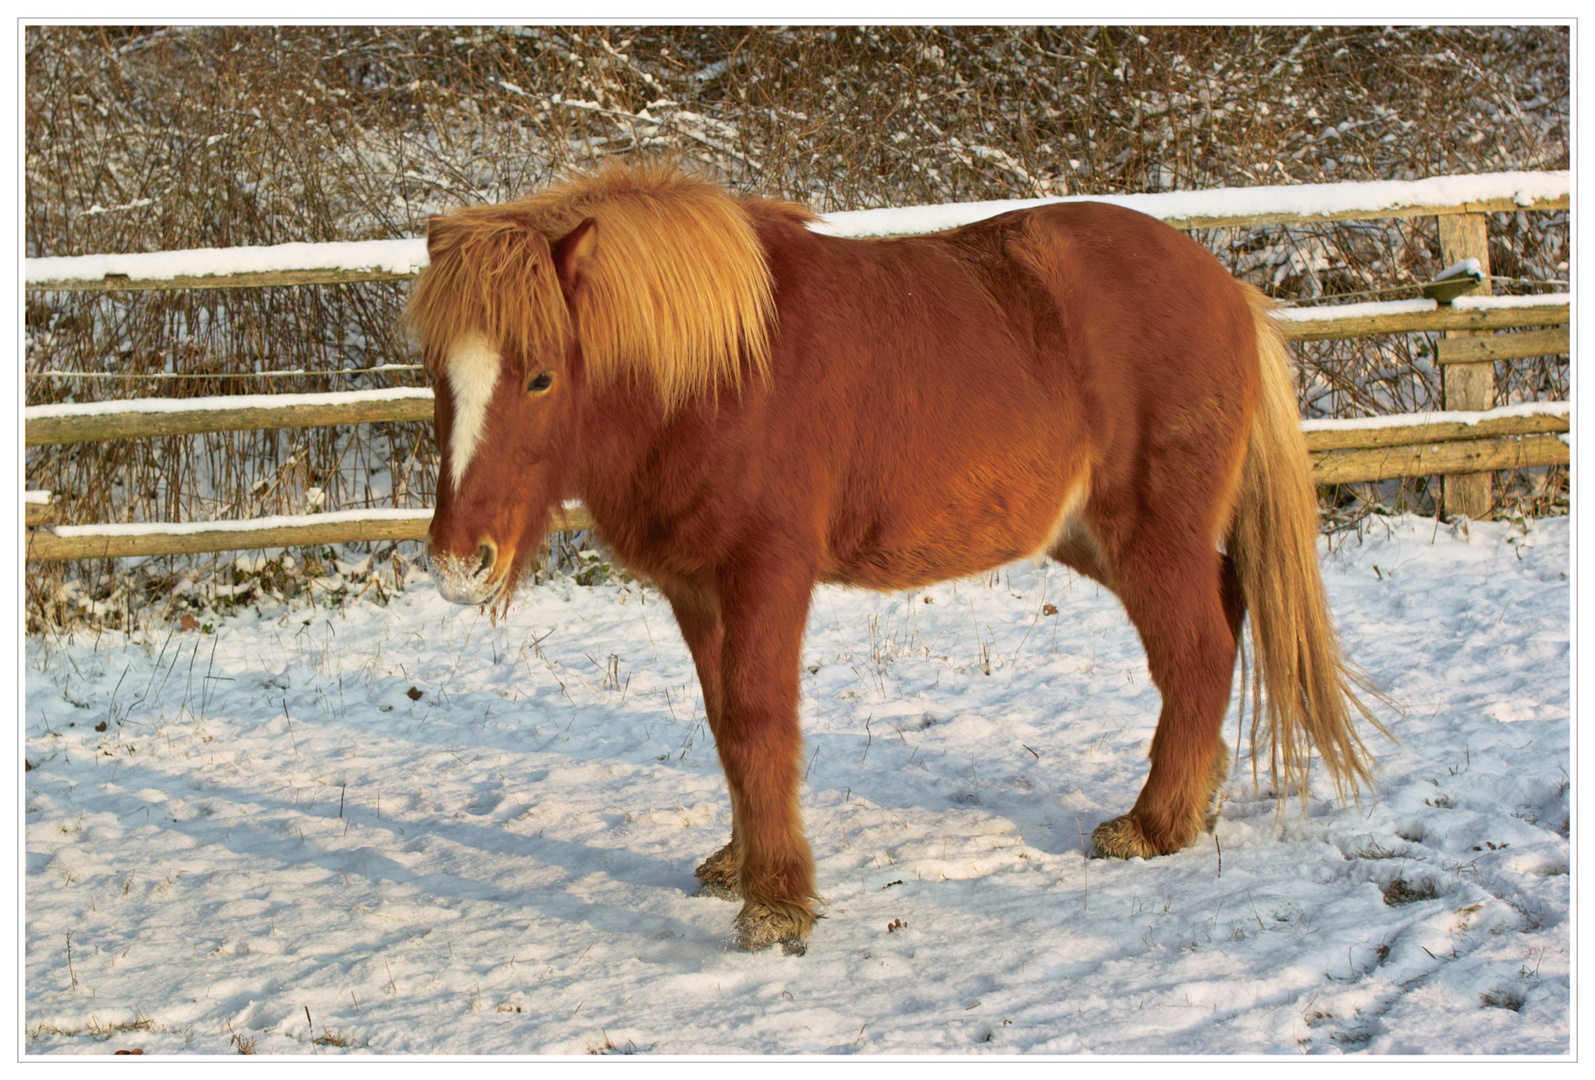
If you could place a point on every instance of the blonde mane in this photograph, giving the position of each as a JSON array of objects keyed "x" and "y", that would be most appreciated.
[{"x": 677, "y": 292}]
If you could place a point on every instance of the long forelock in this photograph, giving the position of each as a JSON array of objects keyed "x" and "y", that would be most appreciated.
[
  {"x": 489, "y": 278},
  {"x": 678, "y": 291}
]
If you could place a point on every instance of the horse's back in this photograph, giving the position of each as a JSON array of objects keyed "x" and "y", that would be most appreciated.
[
  {"x": 1107, "y": 262},
  {"x": 1035, "y": 303}
]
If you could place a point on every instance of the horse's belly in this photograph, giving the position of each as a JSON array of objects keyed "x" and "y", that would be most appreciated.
[{"x": 962, "y": 536}]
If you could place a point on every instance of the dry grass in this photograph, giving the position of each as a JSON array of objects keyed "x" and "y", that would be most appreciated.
[
  {"x": 608, "y": 1046},
  {"x": 1509, "y": 998},
  {"x": 96, "y": 1029},
  {"x": 1401, "y": 891},
  {"x": 140, "y": 140}
]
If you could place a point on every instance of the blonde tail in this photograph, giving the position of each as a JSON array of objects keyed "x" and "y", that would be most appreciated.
[{"x": 1273, "y": 545}]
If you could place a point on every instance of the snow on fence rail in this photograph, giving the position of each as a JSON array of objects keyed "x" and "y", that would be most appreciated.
[
  {"x": 281, "y": 530},
  {"x": 1462, "y": 444},
  {"x": 142, "y": 417},
  {"x": 63, "y": 542},
  {"x": 388, "y": 260}
]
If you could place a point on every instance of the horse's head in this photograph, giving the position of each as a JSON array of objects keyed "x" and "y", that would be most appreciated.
[
  {"x": 519, "y": 313},
  {"x": 508, "y": 394}
]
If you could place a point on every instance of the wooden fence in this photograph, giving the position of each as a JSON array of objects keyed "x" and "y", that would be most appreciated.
[{"x": 1462, "y": 444}]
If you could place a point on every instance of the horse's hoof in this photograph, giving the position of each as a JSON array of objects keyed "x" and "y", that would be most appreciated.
[
  {"x": 759, "y": 927},
  {"x": 1121, "y": 838},
  {"x": 717, "y": 877}
]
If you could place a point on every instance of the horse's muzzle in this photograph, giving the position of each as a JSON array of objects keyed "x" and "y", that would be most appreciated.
[{"x": 470, "y": 580}]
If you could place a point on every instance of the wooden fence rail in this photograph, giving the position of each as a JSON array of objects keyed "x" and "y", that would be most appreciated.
[
  {"x": 141, "y": 418},
  {"x": 1438, "y": 445},
  {"x": 1462, "y": 447},
  {"x": 102, "y": 542}
]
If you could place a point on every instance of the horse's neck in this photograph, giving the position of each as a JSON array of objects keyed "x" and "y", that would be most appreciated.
[
  {"x": 633, "y": 456},
  {"x": 620, "y": 434}
]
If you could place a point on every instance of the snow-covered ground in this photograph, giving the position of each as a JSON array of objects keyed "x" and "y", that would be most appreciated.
[{"x": 440, "y": 835}]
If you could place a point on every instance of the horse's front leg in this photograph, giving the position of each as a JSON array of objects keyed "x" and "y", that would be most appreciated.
[
  {"x": 696, "y": 606},
  {"x": 764, "y": 607}
]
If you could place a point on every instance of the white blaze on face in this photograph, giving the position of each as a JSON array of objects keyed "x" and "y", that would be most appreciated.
[{"x": 472, "y": 371}]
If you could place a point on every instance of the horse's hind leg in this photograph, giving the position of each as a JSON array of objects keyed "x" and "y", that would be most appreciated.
[
  {"x": 697, "y": 612},
  {"x": 1175, "y": 589}
]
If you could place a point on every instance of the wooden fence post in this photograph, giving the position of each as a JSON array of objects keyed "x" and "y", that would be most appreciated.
[{"x": 1467, "y": 387}]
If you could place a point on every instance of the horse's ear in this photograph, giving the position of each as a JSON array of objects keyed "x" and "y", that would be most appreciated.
[
  {"x": 440, "y": 232},
  {"x": 573, "y": 254}
]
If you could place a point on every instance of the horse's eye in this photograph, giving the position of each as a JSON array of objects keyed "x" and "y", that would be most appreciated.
[{"x": 542, "y": 381}]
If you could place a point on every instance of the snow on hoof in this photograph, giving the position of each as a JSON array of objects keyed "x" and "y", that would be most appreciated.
[
  {"x": 717, "y": 877},
  {"x": 1121, "y": 838},
  {"x": 758, "y": 927}
]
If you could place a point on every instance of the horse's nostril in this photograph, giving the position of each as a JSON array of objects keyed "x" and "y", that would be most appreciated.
[{"x": 489, "y": 553}]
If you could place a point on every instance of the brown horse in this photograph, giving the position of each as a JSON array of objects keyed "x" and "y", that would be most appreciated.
[{"x": 748, "y": 407}]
